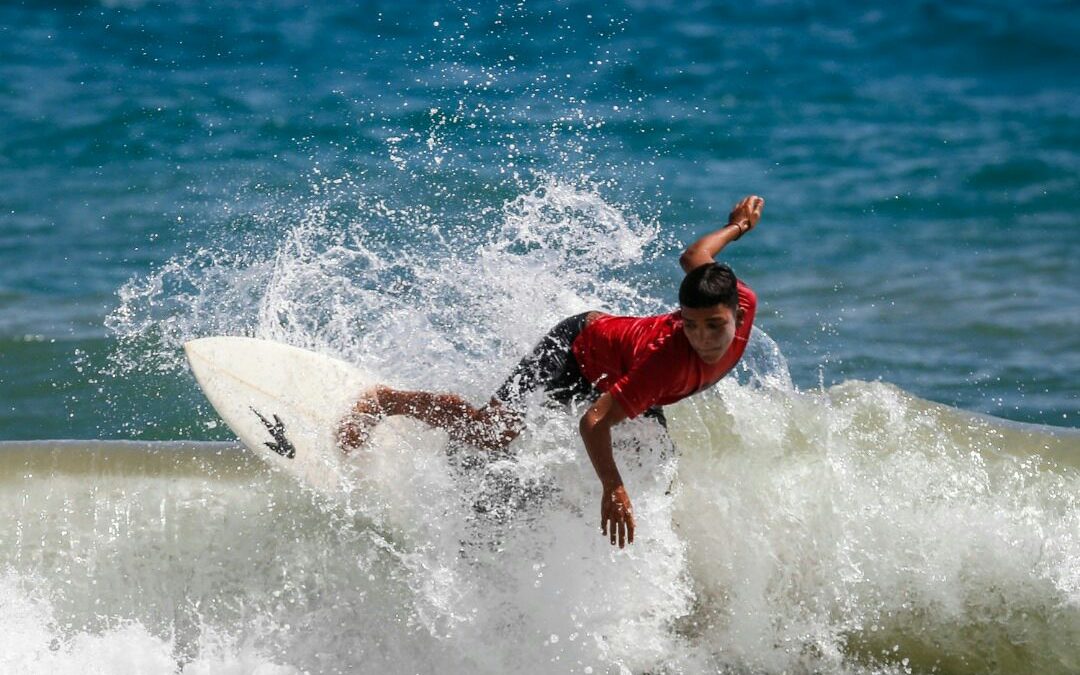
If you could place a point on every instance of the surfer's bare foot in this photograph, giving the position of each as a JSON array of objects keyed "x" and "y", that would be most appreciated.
[{"x": 355, "y": 428}]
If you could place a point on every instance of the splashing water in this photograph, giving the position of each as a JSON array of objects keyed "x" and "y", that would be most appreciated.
[
  {"x": 855, "y": 529},
  {"x": 372, "y": 283}
]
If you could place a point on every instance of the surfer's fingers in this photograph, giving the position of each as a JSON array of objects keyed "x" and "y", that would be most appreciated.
[
  {"x": 622, "y": 524},
  {"x": 630, "y": 528}
]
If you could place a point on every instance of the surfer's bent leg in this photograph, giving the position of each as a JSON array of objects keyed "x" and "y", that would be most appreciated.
[
  {"x": 492, "y": 427},
  {"x": 551, "y": 365}
]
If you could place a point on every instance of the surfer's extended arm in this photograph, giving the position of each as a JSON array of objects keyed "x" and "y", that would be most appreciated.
[
  {"x": 616, "y": 513},
  {"x": 743, "y": 218}
]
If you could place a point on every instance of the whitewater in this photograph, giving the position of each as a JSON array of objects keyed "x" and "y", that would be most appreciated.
[{"x": 846, "y": 529}]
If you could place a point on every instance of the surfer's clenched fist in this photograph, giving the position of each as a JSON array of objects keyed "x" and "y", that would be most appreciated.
[
  {"x": 746, "y": 214},
  {"x": 743, "y": 218}
]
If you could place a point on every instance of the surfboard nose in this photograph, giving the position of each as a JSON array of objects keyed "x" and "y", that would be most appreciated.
[
  {"x": 199, "y": 347},
  {"x": 226, "y": 348},
  {"x": 282, "y": 402}
]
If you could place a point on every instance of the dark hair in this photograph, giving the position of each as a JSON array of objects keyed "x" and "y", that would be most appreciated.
[{"x": 709, "y": 284}]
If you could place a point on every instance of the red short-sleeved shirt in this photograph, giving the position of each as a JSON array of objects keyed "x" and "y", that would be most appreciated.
[{"x": 647, "y": 361}]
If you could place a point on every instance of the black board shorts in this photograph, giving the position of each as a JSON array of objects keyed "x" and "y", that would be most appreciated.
[{"x": 552, "y": 366}]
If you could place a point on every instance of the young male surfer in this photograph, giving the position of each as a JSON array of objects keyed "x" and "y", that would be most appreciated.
[{"x": 627, "y": 366}]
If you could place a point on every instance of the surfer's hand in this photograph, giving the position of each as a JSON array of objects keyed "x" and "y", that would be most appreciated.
[
  {"x": 746, "y": 214},
  {"x": 355, "y": 428},
  {"x": 617, "y": 516}
]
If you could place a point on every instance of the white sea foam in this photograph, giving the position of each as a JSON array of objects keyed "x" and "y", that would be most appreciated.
[
  {"x": 838, "y": 531},
  {"x": 854, "y": 529},
  {"x": 36, "y": 642}
]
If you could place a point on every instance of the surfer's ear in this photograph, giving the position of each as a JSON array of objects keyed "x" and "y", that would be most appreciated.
[{"x": 739, "y": 314}]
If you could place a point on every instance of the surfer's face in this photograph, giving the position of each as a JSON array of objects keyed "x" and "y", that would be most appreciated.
[{"x": 710, "y": 330}]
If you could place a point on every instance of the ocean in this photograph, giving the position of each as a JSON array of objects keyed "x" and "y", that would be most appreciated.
[{"x": 887, "y": 484}]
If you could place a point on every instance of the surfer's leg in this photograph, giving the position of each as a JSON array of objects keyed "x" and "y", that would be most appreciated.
[
  {"x": 491, "y": 427},
  {"x": 546, "y": 366}
]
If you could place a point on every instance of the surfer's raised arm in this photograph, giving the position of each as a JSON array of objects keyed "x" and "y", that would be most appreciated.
[{"x": 743, "y": 218}]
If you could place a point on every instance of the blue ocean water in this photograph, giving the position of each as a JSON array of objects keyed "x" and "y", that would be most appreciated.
[{"x": 920, "y": 162}]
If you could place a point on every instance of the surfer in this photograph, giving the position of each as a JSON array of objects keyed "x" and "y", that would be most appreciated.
[{"x": 626, "y": 366}]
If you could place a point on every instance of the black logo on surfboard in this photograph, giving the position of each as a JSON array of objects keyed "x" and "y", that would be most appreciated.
[{"x": 281, "y": 445}]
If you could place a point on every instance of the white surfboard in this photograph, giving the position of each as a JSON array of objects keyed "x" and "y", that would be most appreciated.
[{"x": 283, "y": 402}]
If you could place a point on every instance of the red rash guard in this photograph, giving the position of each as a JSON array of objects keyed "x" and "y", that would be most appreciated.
[{"x": 647, "y": 361}]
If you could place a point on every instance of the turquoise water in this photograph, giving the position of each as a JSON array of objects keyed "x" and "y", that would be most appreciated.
[{"x": 888, "y": 484}]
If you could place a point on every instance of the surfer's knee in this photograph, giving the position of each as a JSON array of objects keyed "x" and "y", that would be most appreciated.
[
  {"x": 498, "y": 426},
  {"x": 355, "y": 428}
]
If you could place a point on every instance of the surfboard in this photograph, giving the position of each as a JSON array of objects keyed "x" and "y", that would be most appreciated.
[{"x": 282, "y": 402}]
